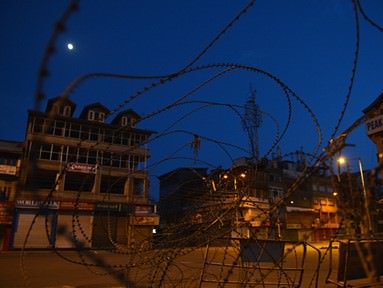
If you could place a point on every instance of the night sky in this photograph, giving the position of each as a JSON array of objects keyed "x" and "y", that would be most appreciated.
[{"x": 308, "y": 45}]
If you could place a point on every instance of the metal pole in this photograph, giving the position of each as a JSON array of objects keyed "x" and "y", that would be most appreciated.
[{"x": 366, "y": 200}]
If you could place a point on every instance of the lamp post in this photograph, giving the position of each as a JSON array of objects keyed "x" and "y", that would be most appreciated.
[{"x": 341, "y": 161}]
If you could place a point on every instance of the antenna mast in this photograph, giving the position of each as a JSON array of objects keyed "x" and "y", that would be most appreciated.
[{"x": 252, "y": 120}]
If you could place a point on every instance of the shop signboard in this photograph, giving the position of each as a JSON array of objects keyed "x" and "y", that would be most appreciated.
[
  {"x": 7, "y": 169},
  {"x": 374, "y": 125},
  {"x": 82, "y": 168},
  {"x": 36, "y": 204},
  {"x": 144, "y": 209},
  {"x": 110, "y": 207},
  {"x": 293, "y": 226},
  {"x": 72, "y": 205},
  {"x": 146, "y": 220}
]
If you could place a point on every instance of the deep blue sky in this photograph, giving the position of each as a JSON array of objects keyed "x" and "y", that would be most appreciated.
[{"x": 308, "y": 44}]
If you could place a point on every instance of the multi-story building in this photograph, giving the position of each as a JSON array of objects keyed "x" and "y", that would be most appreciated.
[
  {"x": 10, "y": 155},
  {"x": 374, "y": 129},
  {"x": 310, "y": 212},
  {"x": 255, "y": 199},
  {"x": 83, "y": 181},
  {"x": 182, "y": 191},
  {"x": 239, "y": 197}
]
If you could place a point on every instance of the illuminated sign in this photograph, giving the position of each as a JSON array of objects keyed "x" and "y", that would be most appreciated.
[
  {"x": 144, "y": 209},
  {"x": 81, "y": 168},
  {"x": 374, "y": 125},
  {"x": 146, "y": 220},
  {"x": 7, "y": 169}
]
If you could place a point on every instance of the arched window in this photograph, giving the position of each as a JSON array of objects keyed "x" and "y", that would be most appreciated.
[
  {"x": 124, "y": 121},
  {"x": 101, "y": 117},
  {"x": 90, "y": 115}
]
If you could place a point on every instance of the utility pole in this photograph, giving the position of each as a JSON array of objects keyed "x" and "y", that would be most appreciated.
[{"x": 251, "y": 122}]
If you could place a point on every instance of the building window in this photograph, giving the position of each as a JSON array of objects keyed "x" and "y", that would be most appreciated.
[
  {"x": 90, "y": 115},
  {"x": 138, "y": 187},
  {"x": 72, "y": 154},
  {"x": 124, "y": 121},
  {"x": 108, "y": 136},
  {"x": 85, "y": 131},
  {"x": 134, "y": 160},
  {"x": 116, "y": 160},
  {"x": 100, "y": 116},
  {"x": 41, "y": 179},
  {"x": 124, "y": 161},
  {"x": 67, "y": 111},
  {"x": 83, "y": 155},
  {"x": 92, "y": 156},
  {"x": 59, "y": 128},
  {"x": 125, "y": 138},
  {"x": 75, "y": 131},
  {"x": 113, "y": 185},
  {"x": 117, "y": 138},
  {"x": 38, "y": 125},
  {"x": 94, "y": 133},
  {"x": 45, "y": 151},
  {"x": 106, "y": 158},
  {"x": 56, "y": 152},
  {"x": 79, "y": 182}
]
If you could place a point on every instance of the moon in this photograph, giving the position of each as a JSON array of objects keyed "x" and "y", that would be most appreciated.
[{"x": 70, "y": 46}]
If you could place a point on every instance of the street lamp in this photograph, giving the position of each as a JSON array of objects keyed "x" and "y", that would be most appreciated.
[{"x": 341, "y": 161}]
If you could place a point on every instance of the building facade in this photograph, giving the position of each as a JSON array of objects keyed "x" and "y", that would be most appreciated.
[
  {"x": 83, "y": 181},
  {"x": 255, "y": 200},
  {"x": 374, "y": 129},
  {"x": 10, "y": 156},
  {"x": 311, "y": 211},
  {"x": 238, "y": 197}
]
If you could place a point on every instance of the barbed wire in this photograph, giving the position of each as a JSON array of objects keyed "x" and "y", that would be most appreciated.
[
  {"x": 353, "y": 70},
  {"x": 158, "y": 263}
]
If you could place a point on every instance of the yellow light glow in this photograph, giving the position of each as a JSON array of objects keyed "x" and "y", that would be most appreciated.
[
  {"x": 225, "y": 176},
  {"x": 243, "y": 175},
  {"x": 341, "y": 160}
]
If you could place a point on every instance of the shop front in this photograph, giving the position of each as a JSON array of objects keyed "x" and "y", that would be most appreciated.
[
  {"x": 74, "y": 224},
  {"x": 34, "y": 224}
]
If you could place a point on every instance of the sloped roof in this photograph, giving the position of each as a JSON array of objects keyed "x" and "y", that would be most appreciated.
[
  {"x": 125, "y": 112},
  {"x": 376, "y": 103},
  {"x": 98, "y": 106},
  {"x": 60, "y": 100}
]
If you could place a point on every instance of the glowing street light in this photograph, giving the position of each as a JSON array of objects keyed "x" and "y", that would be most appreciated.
[{"x": 341, "y": 160}]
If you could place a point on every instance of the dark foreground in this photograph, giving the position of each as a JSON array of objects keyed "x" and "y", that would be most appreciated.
[{"x": 170, "y": 268}]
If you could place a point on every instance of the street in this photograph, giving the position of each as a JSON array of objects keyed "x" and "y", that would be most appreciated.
[{"x": 165, "y": 268}]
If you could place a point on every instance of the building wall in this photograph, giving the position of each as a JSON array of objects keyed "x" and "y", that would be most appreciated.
[
  {"x": 91, "y": 174},
  {"x": 10, "y": 155}
]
